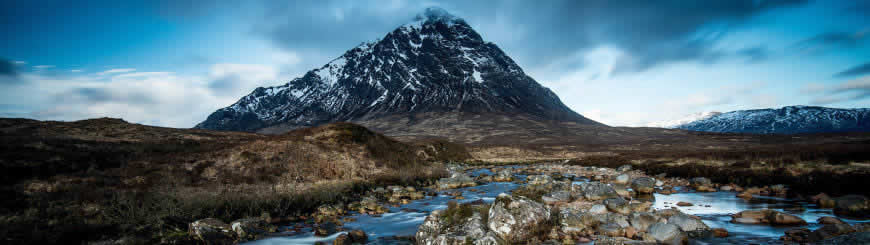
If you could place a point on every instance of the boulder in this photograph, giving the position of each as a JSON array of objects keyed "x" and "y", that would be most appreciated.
[
  {"x": 767, "y": 216},
  {"x": 211, "y": 231},
  {"x": 667, "y": 234},
  {"x": 514, "y": 219},
  {"x": 700, "y": 181},
  {"x": 598, "y": 191},
  {"x": 617, "y": 205},
  {"x": 251, "y": 228},
  {"x": 720, "y": 232},
  {"x": 645, "y": 185},
  {"x": 556, "y": 197},
  {"x": 687, "y": 223},
  {"x": 598, "y": 209},
  {"x": 503, "y": 175},
  {"x": 640, "y": 206},
  {"x": 851, "y": 238},
  {"x": 797, "y": 235},
  {"x": 684, "y": 204},
  {"x": 830, "y": 220},
  {"x": 621, "y": 179},
  {"x": 539, "y": 179},
  {"x": 642, "y": 220},
  {"x": 326, "y": 229},
  {"x": 852, "y": 205},
  {"x": 352, "y": 237},
  {"x": 824, "y": 201},
  {"x": 624, "y": 168},
  {"x": 829, "y": 231}
]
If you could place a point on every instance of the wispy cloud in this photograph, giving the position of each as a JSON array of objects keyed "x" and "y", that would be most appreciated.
[
  {"x": 855, "y": 71},
  {"x": 112, "y": 71},
  {"x": 857, "y": 89}
]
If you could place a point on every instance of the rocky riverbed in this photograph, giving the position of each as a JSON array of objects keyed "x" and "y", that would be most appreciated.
[{"x": 561, "y": 204}]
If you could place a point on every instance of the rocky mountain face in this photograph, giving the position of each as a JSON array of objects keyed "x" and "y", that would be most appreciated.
[
  {"x": 435, "y": 64},
  {"x": 786, "y": 120}
]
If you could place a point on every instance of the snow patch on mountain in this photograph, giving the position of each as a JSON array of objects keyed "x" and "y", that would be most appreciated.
[{"x": 687, "y": 119}]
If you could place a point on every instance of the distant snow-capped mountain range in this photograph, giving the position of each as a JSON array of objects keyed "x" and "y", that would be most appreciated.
[{"x": 785, "y": 120}]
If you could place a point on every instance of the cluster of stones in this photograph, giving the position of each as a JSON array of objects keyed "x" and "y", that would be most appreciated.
[
  {"x": 570, "y": 213},
  {"x": 214, "y": 231},
  {"x": 832, "y": 230}
]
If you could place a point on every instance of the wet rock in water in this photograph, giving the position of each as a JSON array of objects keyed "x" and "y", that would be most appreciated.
[
  {"x": 503, "y": 175},
  {"x": 624, "y": 168},
  {"x": 852, "y": 238},
  {"x": 640, "y": 206},
  {"x": 211, "y": 231},
  {"x": 621, "y": 190},
  {"x": 829, "y": 231},
  {"x": 622, "y": 179},
  {"x": 643, "y": 185},
  {"x": 667, "y": 234},
  {"x": 539, "y": 179},
  {"x": 720, "y": 232},
  {"x": 556, "y": 197},
  {"x": 700, "y": 181},
  {"x": 457, "y": 181},
  {"x": 797, "y": 235},
  {"x": 325, "y": 229},
  {"x": 659, "y": 183},
  {"x": 598, "y": 191},
  {"x": 823, "y": 200},
  {"x": 684, "y": 204},
  {"x": 641, "y": 220},
  {"x": 687, "y": 223},
  {"x": 726, "y": 188},
  {"x": 778, "y": 190},
  {"x": 861, "y": 227},
  {"x": 617, "y": 205},
  {"x": 830, "y": 220},
  {"x": 352, "y": 237},
  {"x": 251, "y": 228},
  {"x": 767, "y": 216},
  {"x": 515, "y": 219},
  {"x": 852, "y": 205}
]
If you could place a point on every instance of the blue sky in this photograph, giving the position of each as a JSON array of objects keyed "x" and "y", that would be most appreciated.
[{"x": 624, "y": 63}]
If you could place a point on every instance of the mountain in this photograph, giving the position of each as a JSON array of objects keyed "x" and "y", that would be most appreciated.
[
  {"x": 690, "y": 118},
  {"x": 786, "y": 120},
  {"x": 436, "y": 66}
]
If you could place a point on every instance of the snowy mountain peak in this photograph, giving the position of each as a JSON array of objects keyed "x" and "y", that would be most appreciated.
[
  {"x": 437, "y": 63},
  {"x": 785, "y": 120},
  {"x": 687, "y": 119}
]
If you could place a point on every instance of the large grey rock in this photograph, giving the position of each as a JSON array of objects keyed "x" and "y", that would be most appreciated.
[
  {"x": 667, "y": 234},
  {"x": 687, "y": 223},
  {"x": 503, "y": 175},
  {"x": 617, "y": 205},
  {"x": 598, "y": 191},
  {"x": 556, "y": 197},
  {"x": 211, "y": 231},
  {"x": 251, "y": 228},
  {"x": 829, "y": 231},
  {"x": 515, "y": 218},
  {"x": 642, "y": 220},
  {"x": 622, "y": 179},
  {"x": 700, "y": 181},
  {"x": 645, "y": 185},
  {"x": 598, "y": 209},
  {"x": 436, "y": 230}
]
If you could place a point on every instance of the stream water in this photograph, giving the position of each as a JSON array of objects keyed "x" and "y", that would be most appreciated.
[{"x": 714, "y": 208}]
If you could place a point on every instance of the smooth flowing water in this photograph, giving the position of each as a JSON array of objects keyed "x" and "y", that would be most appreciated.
[{"x": 714, "y": 208}]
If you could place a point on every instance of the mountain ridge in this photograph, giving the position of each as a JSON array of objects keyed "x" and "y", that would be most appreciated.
[
  {"x": 437, "y": 63},
  {"x": 785, "y": 120}
]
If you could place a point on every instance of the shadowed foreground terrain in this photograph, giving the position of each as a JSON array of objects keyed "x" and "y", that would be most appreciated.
[{"x": 105, "y": 178}]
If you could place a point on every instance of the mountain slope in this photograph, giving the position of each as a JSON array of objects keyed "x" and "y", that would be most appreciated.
[
  {"x": 435, "y": 64},
  {"x": 786, "y": 120}
]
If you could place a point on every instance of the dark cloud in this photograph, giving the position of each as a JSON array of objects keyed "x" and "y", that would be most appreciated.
[
  {"x": 225, "y": 85},
  {"x": 102, "y": 95},
  {"x": 856, "y": 89},
  {"x": 834, "y": 40},
  {"x": 535, "y": 33},
  {"x": 855, "y": 71},
  {"x": 755, "y": 54},
  {"x": 7, "y": 68}
]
